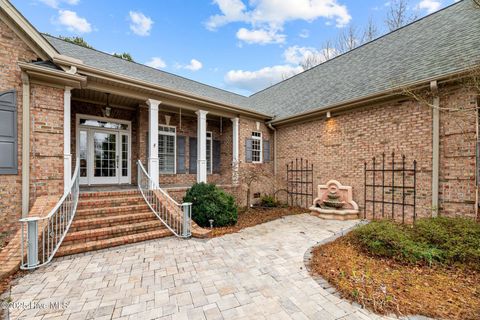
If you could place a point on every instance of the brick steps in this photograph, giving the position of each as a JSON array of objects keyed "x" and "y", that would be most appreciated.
[
  {"x": 75, "y": 248},
  {"x": 111, "y": 211},
  {"x": 108, "y": 219},
  {"x": 112, "y": 232},
  {"x": 116, "y": 201}
]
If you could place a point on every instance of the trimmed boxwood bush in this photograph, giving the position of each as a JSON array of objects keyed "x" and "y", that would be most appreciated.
[
  {"x": 442, "y": 240},
  {"x": 210, "y": 202}
]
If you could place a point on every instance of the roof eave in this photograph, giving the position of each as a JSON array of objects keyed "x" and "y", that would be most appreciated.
[
  {"x": 391, "y": 93},
  {"x": 116, "y": 77}
]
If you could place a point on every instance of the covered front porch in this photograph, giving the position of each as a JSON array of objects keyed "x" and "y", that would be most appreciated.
[{"x": 178, "y": 143}]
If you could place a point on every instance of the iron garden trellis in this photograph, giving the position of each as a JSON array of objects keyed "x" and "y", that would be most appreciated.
[
  {"x": 300, "y": 183},
  {"x": 378, "y": 176}
]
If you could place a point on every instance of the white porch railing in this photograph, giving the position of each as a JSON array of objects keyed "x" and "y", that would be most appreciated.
[
  {"x": 176, "y": 217},
  {"x": 40, "y": 249}
]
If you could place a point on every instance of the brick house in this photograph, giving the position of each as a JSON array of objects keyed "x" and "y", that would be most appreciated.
[{"x": 60, "y": 102}]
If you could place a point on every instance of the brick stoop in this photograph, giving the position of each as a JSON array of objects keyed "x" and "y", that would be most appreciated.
[{"x": 111, "y": 218}]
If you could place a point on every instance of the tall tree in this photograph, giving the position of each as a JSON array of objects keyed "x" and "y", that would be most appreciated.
[
  {"x": 398, "y": 15},
  {"x": 77, "y": 40},
  {"x": 370, "y": 32},
  {"x": 125, "y": 56}
]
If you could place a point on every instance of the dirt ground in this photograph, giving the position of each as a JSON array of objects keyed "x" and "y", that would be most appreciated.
[{"x": 385, "y": 286}]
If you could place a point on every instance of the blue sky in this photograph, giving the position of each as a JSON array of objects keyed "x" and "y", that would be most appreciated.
[{"x": 238, "y": 45}]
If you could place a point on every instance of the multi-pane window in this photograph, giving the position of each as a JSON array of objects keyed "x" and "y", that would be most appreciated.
[
  {"x": 166, "y": 148},
  {"x": 209, "y": 152},
  {"x": 124, "y": 155},
  {"x": 256, "y": 147}
]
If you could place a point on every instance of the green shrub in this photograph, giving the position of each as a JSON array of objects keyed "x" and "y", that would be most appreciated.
[
  {"x": 442, "y": 240},
  {"x": 458, "y": 238},
  {"x": 210, "y": 202},
  {"x": 388, "y": 239},
  {"x": 268, "y": 201}
]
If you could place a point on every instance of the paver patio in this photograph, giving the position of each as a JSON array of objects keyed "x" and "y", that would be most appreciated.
[{"x": 258, "y": 273}]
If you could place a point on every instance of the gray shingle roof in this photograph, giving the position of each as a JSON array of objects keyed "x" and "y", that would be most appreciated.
[
  {"x": 445, "y": 42},
  {"x": 107, "y": 62}
]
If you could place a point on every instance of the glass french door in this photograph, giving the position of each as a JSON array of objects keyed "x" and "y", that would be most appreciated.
[{"x": 104, "y": 156}]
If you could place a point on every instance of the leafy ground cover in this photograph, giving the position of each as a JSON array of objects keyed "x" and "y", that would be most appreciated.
[{"x": 431, "y": 269}]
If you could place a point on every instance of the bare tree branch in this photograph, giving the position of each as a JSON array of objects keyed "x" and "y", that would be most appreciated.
[{"x": 398, "y": 16}]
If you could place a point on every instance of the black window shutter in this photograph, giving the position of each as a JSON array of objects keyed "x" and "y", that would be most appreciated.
[
  {"x": 266, "y": 151},
  {"x": 193, "y": 155},
  {"x": 8, "y": 133},
  {"x": 248, "y": 150},
  {"x": 181, "y": 154},
  {"x": 216, "y": 156}
]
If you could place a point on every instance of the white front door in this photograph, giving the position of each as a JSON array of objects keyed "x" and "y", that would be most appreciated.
[{"x": 104, "y": 153}]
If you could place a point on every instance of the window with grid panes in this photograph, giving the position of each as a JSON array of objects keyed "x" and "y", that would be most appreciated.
[
  {"x": 256, "y": 147},
  {"x": 166, "y": 149}
]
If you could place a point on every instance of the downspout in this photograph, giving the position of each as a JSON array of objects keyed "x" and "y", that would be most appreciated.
[
  {"x": 435, "y": 147},
  {"x": 269, "y": 124},
  {"x": 25, "y": 144}
]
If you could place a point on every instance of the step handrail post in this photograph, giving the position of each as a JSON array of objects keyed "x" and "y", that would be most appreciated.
[
  {"x": 187, "y": 215},
  {"x": 32, "y": 241}
]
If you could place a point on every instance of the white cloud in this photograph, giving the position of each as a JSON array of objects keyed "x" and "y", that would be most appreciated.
[
  {"x": 271, "y": 15},
  {"x": 157, "y": 63},
  {"x": 296, "y": 55},
  {"x": 56, "y": 3},
  {"x": 140, "y": 24},
  {"x": 304, "y": 34},
  {"x": 429, "y": 5},
  {"x": 73, "y": 22},
  {"x": 194, "y": 65},
  {"x": 254, "y": 81},
  {"x": 260, "y": 36}
]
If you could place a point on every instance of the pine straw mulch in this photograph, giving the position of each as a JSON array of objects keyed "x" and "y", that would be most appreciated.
[
  {"x": 255, "y": 216},
  {"x": 386, "y": 286}
]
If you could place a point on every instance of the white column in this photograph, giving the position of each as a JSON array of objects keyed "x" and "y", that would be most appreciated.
[
  {"x": 235, "y": 159},
  {"x": 201, "y": 146},
  {"x": 67, "y": 155},
  {"x": 153, "y": 138}
]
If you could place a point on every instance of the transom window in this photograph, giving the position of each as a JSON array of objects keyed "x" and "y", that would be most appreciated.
[
  {"x": 256, "y": 147},
  {"x": 167, "y": 136},
  {"x": 103, "y": 124}
]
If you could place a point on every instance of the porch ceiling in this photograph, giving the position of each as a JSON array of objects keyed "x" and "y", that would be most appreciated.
[{"x": 119, "y": 101}]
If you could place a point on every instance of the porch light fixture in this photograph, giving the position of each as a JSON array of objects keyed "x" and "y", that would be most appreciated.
[
  {"x": 108, "y": 110},
  {"x": 329, "y": 115}
]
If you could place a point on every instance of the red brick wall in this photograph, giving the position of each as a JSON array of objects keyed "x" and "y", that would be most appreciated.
[
  {"x": 338, "y": 147},
  {"x": 46, "y": 130},
  {"x": 265, "y": 185},
  {"x": 458, "y": 136},
  {"x": 12, "y": 50}
]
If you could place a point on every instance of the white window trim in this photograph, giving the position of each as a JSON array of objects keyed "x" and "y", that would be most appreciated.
[
  {"x": 261, "y": 145},
  {"x": 174, "y": 134},
  {"x": 211, "y": 151}
]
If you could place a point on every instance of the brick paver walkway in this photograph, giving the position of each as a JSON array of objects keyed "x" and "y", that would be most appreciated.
[{"x": 258, "y": 273}]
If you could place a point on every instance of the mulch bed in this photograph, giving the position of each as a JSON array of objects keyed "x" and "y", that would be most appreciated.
[
  {"x": 386, "y": 286},
  {"x": 255, "y": 216}
]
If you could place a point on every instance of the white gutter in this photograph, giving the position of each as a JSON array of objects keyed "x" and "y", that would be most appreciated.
[
  {"x": 435, "y": 146},
  {"x": 25, "y": 145},
  {"x": 269, "y": 124}
]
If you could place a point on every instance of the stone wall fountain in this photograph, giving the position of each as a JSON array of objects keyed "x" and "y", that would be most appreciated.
[{"x": 335, "y": 202}]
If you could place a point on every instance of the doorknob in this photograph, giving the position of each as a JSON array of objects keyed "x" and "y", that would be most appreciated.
[{"x": 117, "y": 161}]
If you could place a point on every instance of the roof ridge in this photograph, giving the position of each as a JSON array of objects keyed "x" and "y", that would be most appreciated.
[
  {"x": 143, "y": 65},
  {"x": 360, "y": 46}
]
